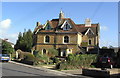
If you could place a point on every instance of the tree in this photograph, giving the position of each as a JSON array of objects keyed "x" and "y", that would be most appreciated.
[
  {"x": 18, "y": 44},
  {"x": 104, "y": 47},
  {"x": 25, "y": 41},
  {"x": 7, "y": 48}
]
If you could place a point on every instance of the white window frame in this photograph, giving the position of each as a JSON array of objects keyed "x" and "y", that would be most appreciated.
[
  {"x": 68, "y": 41},
  {"x": 65, "y": 23},
  {"x": 43, "y": 52},
  {"x": 89, "y": 29},
  {"x": 88, "y": 42},
  {"x": 45, "y": 39}
]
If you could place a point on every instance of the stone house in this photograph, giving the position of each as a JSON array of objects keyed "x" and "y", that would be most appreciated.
[{"x": 66, "y": 36}]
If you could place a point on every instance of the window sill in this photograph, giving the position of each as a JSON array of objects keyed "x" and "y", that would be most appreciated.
[
  {"x": 46, "y": 42},
  {"x": 65, "y": 43}
]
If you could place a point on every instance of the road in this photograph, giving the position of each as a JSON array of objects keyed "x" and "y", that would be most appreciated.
[{"x": 9, "y": 69}]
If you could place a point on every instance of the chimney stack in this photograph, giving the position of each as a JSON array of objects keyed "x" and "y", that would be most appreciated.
[
  {"x": 87, "y": 22},
  {"x": 38, "y": 23}
]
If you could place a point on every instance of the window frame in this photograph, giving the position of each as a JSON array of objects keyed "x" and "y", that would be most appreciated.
[
  {"x": 45, "y": 39},
  {"x": 66, "y": 26},
  {"x": 68, "y": 40},
  {"x": 48, "y": 27},
  {"x": 44, "y": 51},
  {"x": 89, "y": 42}
]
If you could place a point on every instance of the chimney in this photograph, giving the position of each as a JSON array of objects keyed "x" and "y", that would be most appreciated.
[
  {"x": 61, "y": 15},
  {"x": 38, "y": 23},
  {"x": 87, "y": 22}
]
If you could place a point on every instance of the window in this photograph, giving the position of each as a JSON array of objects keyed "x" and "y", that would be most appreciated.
[
  {"x": 90, "y": 42},
  {"x": 47, "y": 39},
  {"x": 48, "y": 27},
  {"x": 44, "y": 51},
  {"x": 66, "y": 26},
  {"x": 90, "y": 33},
  {"x": 66, "y": 39}
]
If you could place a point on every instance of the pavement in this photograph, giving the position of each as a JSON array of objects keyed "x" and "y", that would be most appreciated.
[{"x": 79, "y": 71}]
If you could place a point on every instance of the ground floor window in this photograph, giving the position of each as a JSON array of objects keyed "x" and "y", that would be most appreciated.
[
  {"x": 89, "y": 42},
  {"x": 44, "y": 51}
]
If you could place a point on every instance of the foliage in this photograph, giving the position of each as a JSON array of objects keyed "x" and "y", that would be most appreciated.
[
  {"x": 13, "y": 56},
  {"x": 84, "y": 44},
  {"x": 52, "y": 52},
  {"x": 29, "y": 57},
  {"x": 104, "y": 47},
  {"x": 7, "y": 48},
  {"x": 35, "y": 53},
  {"x": 77, "y": 61},
  {"x": 40, "y": 59},
  {"x": 25, "y": 41},
  {"x": 55, "y": 60}
]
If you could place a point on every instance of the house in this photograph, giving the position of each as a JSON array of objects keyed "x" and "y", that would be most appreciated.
[{"x": 66, "y": 36}]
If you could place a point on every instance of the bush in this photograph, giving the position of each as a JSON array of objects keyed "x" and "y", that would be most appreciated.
[
  {"x": 55, "y": 60},
  {"x": 35, "y": 52},
  {"x": 41, "y": 59},
  {"x": 13, "y": 56},
  {"x": 52, "y": 52},
  {"x": 77, "y": 61},
  {"x": 29, "y": 57}
]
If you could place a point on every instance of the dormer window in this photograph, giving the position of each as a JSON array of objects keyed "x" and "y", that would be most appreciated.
[
  {"x": 66, "y": 26},
  {"x": 89, "y": 32},
  {"x": 48, "y": 27}
]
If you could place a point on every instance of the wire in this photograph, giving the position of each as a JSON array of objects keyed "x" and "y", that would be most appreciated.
[{"x": 96, "y": 10}]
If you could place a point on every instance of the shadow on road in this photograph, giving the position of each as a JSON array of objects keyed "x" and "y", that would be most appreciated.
[{"x": 20, "y": 71}]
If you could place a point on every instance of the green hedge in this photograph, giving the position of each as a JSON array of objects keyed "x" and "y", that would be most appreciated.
[
  {"x": 77, "y": 61},
  {"x": 29, "y": 57}
]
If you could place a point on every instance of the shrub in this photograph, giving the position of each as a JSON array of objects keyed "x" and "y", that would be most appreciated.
[
  {"x": 53, "y": 52},
  {"x": 13, "y": 56},
  {"x": 77, "y": 61},
  {"x": 35, "y": 52},
  {"x": 41, "y": 59},
  {"x": 55, "y": 60},
  {"x": 29, "y": 57}
]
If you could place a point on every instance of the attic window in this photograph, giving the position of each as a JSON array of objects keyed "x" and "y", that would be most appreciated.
[
  {"x": 48, "y": 27},
  {"x": 89, "y": 32},
  {"x": 66, "y": 26}
]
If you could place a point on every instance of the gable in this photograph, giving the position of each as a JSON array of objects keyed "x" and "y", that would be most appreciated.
[
  {"x": 47, "y": 26},
  {"x": 89, "y": 32},
  {"x": 66, "y": 25}
]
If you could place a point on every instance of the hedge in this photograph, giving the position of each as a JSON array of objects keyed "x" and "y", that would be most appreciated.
[{"x": 77, "y": 61}]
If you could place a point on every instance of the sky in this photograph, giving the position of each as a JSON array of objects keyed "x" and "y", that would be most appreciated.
[{"x": 17, "y": 16}]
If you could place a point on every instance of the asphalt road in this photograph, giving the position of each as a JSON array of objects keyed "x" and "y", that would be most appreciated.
[
  {"x": 9, "y": 69},
  {"x": 18, "y": 71}
]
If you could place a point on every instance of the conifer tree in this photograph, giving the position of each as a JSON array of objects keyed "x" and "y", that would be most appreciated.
[{"x": 25, "y": 41}]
